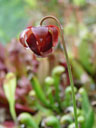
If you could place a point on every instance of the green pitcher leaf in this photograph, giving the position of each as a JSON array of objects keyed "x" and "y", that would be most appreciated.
[
  {"x": 9, "y": 89},
  {"x": 52, "y": 121},
  {"x": 27, "y": 119}
]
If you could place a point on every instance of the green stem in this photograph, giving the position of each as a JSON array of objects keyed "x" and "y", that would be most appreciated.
[{"x": 68, "y": 64}]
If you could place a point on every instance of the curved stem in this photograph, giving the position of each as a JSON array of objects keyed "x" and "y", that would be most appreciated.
[
  {"x": 27, "y": 119},
  {"x": 68, "y": 64}
]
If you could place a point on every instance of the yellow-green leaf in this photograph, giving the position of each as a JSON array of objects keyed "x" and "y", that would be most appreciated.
[{"x": 9, "y": 89}]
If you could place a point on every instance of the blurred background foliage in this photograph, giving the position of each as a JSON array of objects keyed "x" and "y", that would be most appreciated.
[
  {"x": 13, "y": 17},
  {"x": 78, "y": 19}
]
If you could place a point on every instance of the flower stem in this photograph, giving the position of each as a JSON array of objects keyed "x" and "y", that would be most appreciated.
[{"x": 68, "y": 64}]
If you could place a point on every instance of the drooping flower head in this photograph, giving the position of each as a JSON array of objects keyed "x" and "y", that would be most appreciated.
[{"x": 41, "y": 40}]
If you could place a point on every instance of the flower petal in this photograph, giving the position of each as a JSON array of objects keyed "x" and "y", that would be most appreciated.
[
  {"x": 54, "y": 30},
  {"x": 41, "y": 40},
  {"x": 22, "y": 38},
  {"x": 44, "y": 39},
  {"x": 32, "y": 43}
]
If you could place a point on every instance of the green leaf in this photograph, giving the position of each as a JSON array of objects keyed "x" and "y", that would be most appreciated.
[
  {"x": 90, "y": 119},
  {"x": 87, "y": 109},
  {"x": 9, "y": 89}
]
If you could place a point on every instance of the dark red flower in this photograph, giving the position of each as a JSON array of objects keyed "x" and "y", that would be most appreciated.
[{"x": 41, "y": 40}]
